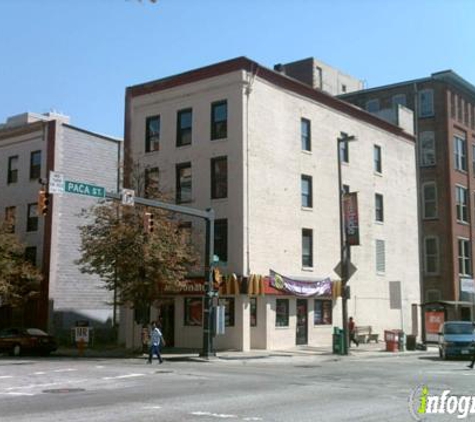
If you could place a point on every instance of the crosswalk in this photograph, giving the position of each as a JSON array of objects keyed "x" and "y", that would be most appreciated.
[{"x": 21, "y": 383}]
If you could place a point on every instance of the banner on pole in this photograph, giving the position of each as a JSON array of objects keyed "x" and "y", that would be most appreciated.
[{"x": 350, "y": 212}]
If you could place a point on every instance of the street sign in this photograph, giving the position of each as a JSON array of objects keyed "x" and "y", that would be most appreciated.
[
  {"x": 56, "y": 182},
  {"x": 128, "y": 197},
  {"x": 351, "y": 270},
  {"x": 84, "y": 189}
]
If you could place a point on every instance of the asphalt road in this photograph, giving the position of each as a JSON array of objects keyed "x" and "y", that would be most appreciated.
[{"x": 306, "y": 388}]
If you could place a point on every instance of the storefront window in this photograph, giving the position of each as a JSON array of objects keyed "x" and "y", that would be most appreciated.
[
  {"x": 253, "y": 317},
  {"x": 228, "y": 304},
  {"x": 282, "y": 312},
  {"x": 323, "y": 312},
  {"x": 193, "y": 311}
]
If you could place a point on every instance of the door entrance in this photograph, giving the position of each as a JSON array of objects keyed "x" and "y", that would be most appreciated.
[
  {"x": 302, "y": 318},
  {"x": 167, "y": 320}
]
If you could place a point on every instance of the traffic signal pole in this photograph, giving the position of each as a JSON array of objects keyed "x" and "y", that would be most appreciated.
[{"x": 209, "y": 217}]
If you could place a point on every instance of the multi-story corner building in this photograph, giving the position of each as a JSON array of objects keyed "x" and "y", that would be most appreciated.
[
  {"x": 260, "y": 148},
  {"x": 444, "y": 107},
  {"x": 32, "y": 145},
  {"x": 320, "y": 76}
]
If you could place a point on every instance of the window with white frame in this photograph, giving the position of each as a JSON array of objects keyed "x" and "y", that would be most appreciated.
[
  {"x": 461, "y": 203},
  {"x": 378, "y": 161},
  {"x": 306, "y": 186},
  {"x": 431, "y": 255},
  {"x": 379, "y": 207},
  {"x": 429, "y": 203},
  {"x": 427, "y": 148},
  {"x": 465, "y": 261},
  {"x": 380, "y": 256},
  {"x": 306, "y": 134},
  {"x": 460, "y": 153},
  {"x": 426, "y": 103}
]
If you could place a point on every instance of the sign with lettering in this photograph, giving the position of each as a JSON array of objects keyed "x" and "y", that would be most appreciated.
[
  {"x": 350, "y": 212},
  {"x": 84, "y": 189},
  {"x": 56, "y": 182}
]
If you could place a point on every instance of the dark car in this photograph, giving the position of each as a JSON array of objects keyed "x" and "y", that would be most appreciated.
[
  {"x": 17, "y": 341},
  {"x": 456, "y": 339}
]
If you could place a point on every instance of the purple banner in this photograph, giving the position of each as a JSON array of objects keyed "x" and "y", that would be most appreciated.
[{"x": 301, "y": 288}]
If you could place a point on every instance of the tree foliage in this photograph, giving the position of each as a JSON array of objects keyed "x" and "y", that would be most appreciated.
[
  {"x": 19, "y": 279},
  {"x": 116, "y": 247}
]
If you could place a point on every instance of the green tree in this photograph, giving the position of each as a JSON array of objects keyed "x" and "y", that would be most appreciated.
[
  {"x": 19, "y": 279},
  {"x": 115, "y": 246}
]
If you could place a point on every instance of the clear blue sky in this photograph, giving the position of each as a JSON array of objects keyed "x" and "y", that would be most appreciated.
[{"x": 78, "y": 56}]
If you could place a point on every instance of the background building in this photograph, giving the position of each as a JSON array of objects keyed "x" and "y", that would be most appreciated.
[
  {"x": 444, "y": 107},
  {"x": 320, "y": 76},
  {"x": 261, "y": 149},
  {"x": 32, "y": 145}
]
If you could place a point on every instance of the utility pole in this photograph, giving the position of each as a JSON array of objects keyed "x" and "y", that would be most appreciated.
[
  {"x": 209, "y": 217},
  {"x": 344, "y": 246}
]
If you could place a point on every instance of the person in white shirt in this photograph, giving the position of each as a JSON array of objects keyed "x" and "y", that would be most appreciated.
[{"x": 155, "y": 339}]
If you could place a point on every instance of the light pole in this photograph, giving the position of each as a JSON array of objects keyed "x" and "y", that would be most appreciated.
[{"x": 344, "y": 246}]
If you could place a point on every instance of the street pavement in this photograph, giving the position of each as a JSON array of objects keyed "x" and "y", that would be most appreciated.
[{"x": 302, "y": 384}]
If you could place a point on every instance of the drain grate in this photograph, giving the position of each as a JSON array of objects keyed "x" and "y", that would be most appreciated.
[{"x": 64, "y": 390}]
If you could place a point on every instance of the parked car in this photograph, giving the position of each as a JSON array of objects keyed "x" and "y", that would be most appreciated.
[
  {"x": 456, "y": 339},
  {"x": 17, "y": 341}
]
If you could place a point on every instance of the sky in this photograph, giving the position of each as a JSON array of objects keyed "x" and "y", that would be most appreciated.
[{"x": 77, "y": 57}]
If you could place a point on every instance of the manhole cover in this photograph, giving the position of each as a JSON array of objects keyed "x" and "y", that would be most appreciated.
[{"x": 64, "y": 390}]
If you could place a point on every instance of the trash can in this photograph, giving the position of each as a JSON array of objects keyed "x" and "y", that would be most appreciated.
[
  {"x": 338, "y": 340},
  {"x": 400, "y": 340},
  {"x": 410, "y": 342},
  {"x": 392, "y": 340}
]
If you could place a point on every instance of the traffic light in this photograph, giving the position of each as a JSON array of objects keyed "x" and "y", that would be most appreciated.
[
  {"x": 148, "y": 222},
  {"x": 43, "y": 202}
]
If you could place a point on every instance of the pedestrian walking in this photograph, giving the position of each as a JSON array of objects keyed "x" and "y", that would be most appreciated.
[
  {"x": 155, "y": 340},
  {"x": 352, "y": 331}
]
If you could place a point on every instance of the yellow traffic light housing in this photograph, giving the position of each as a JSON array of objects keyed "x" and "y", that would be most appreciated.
[{"x": 43, "y": 202}]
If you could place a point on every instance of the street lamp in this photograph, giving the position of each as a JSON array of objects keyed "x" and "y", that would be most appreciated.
[{"x": 344, "y": 246}]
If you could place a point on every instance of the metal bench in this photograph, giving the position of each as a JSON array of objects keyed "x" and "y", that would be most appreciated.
[{"x": 364, "y": 334}]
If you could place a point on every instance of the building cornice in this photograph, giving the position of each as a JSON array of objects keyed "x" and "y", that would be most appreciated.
[
  {"x": 11, "y": 132},
  {"x": 276, "y": 78}
]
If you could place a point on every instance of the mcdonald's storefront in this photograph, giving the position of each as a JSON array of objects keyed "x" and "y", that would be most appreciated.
[{"x": 269, "y": 312}]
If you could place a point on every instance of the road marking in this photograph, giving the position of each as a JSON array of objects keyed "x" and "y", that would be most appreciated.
[
  {"x": 20, "y": 394},
  {"x": 215, "y": 415},
  {"x": 65, "y": 370},
  {"x": 39, "y": 373},
  {"x": 2, "y": 377},
  {"x": 99, "y": 366},
  {"x": 123, "y": 376},
  {"x": 153, "y": 407},
  {"x": 252, "y": 418}
]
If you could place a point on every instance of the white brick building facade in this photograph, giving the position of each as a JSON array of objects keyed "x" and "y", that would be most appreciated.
[
  {"x": 263, "y": 205},
  {"x": 67, "y": 295}
]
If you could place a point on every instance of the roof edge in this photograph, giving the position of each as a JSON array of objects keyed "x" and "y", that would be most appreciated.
[{"x": 276, "y": 78}]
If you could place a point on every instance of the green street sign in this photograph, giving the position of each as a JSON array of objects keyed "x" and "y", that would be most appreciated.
[{"x": 84, "y": 189}]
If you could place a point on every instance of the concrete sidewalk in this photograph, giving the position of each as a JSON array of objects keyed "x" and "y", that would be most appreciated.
[{"x": 178, "y": 354}]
